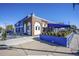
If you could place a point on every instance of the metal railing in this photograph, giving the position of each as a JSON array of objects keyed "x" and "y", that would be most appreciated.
[{"x": 69, "y": 38}]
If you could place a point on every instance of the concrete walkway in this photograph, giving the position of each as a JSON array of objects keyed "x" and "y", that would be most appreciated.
[
  {"x": 29, "y": 46},
  {"x": 35, "y": 47},
  {"x": 17, "y": 41},
  {"x": 74, "y": 45}
]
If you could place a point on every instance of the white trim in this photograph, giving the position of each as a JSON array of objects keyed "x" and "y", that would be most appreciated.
[
  {"x": 25, "y": 28},
  {"x": 40, "y": 18},
  {"x": 37, "y": 32},
  {"x": 29, "y": 28}
]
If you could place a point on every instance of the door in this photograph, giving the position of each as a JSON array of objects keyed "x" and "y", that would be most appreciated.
[
  {"x": 29, "y": 28},
  {"x": 24, "y": 28}
]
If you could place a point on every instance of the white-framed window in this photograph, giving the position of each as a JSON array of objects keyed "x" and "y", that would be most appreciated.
[
  {"x": 44, "y": 25},
  {"x": 37, "y": 28}
]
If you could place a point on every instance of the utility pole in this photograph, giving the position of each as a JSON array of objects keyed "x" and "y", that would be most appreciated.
[{"x": 74, "y": 6}]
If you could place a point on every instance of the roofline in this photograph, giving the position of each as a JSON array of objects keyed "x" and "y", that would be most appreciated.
[{"x": 20, "y": 20}]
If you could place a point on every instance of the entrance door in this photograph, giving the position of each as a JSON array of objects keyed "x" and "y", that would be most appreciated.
[
  {"x": 24, "y": 28},
  {"x": 29, "y": 28},
  {"x": 37, "y": 28}
]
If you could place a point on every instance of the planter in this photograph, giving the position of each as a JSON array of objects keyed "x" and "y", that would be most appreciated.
[{"x": 57, "y": 40}]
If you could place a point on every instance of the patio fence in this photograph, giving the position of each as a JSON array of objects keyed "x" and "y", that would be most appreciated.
[
  {"x": 57, "y": 40},
  {"x": 69, "y": 38}
]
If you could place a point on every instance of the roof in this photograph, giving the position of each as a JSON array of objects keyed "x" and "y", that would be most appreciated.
[
  {"x": 50, "y": 23},
  {"x": 38, "y": 18},
  {"x": 32, "y": 14},
  {"x": 58, "y": 25},
  {"x": 22, "y": 20}
]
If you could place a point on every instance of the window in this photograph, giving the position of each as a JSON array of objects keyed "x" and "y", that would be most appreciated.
[
  {"x": 44, "y": 25},
  {"x": 36, "y": 27}
]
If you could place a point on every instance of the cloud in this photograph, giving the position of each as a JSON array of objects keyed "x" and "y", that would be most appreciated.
[{"x": 3, "y": 26}]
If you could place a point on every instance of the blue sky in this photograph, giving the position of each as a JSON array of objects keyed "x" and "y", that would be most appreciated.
[{"x": 11, "y": 13}]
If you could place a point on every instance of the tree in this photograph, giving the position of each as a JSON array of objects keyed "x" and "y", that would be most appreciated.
[
  {"x": 4, "y": 35},
  {"x": 1, "y": 29},
  {"x": 9, "y": 27},
  {"x": 73, "y": 26}
]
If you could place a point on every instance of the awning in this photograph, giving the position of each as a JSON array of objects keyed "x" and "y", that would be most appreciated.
[{"x": 58, "y": 25}]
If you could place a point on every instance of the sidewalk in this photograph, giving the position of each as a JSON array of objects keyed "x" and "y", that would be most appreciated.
[
  {"x": 74, "y": 45},
  {"x": 17, "y": 41},
  {"x": 36, "y": 48},
  {"x": 31, "y": 46}
]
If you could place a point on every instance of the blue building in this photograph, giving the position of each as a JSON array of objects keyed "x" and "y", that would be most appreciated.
[
  {"x": 30, "y": 25},
  {"x": 34, "y": 25},
  {"x": 19, "y": 26}
]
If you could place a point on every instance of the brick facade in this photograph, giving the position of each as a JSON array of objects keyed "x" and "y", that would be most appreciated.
[{"x": 32, "y": 19}]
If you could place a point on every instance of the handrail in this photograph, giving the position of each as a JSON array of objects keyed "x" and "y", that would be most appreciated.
[{"x": 69, "y": 39}]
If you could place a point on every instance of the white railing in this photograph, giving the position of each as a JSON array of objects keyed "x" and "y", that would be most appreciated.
[{"x": 69, "y": 38}]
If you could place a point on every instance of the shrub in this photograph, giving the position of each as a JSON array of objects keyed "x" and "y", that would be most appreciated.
[
  {"x": 59, "y": 34},
  {"x": 48, "y": 33},
  {"x": 45, "y": 33},
  {"x": 52, "y": 33},
  {"x": 56, "y": 34},
  {"x": 4, "y": 35}
]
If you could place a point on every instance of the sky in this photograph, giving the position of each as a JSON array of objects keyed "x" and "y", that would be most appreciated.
[{"x": 10, "y": 13}]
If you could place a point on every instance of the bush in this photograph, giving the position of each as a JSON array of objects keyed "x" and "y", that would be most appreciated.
[
  {"x": 48, "y": 33},
  {"x": 52, "y": 33},
  {"x": 59, "y": 34},
  {"x": 4, "y": 35}
]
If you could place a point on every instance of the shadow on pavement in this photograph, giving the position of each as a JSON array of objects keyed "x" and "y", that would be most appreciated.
[
  {"x": 76, "y": 54},
  {"x": 42, "y": 41},
  {"x": 5, "y": 47}
]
